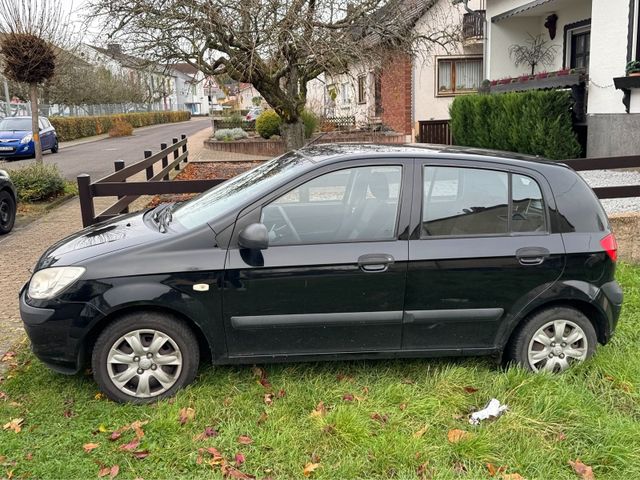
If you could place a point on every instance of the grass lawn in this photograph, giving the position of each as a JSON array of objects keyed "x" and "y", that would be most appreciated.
[{"x": 375, "y": 419}]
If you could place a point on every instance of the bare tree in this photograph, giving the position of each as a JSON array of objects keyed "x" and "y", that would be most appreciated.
[
  {"x": 31, "y": 33},
  {"x": 536, "y": 51},
  {"x": 277, "y": 45}
]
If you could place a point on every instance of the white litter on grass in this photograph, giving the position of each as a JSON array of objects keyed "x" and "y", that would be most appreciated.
[{"x": 493, "y": 410}]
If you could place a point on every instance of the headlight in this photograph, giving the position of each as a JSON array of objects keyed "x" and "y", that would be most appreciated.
[
  {"x": 27, "y": 139},
  {"x": 49, "y": 282}
]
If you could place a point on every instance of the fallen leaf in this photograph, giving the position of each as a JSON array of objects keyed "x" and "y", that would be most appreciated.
[
  {"x": 402, "y": 407},
  {"x": 3, "y": 396},
  {"x": 365, "y": 390},
  {"x": 315, "y": 458},
  {"x": 245, "y": 440},
  {"x": 281, "y": 393},
  {"x": 421, "y": 432},
  {"x": 115, "y": 436},
  {"x": 132, "y": 445},
  {"x": 423, "y": 471},
  {"x": 309, "y": 468},
  {"x": 561, "y": 436},
  {"x": 28, "y": 456},
  {"x": 455, "y": 435},
  {"x": 584, "y": 471},
  {"x": 102, "y": 428},
  {"x": 268, "y": 398},
  {"x": 10, "y": 355},
  {"x": 239, "y": 458},
  {"x": 140, "y": 454},
  {"x": 111, "y": 471},
  {"x": 380, "y": 418},
  {"x": 331, "y": 429},
  {"x": 469, "y": 389},
  {"x": 512, "y": 476},
  {"x": 67, "y": 413},
  {"x": 459, "y": 468},
  {"x": 493, "y": 470},
  {"x": 341, "y": 377},
  {"x": 186, "y": 415},
  {"x": 98, "y": 396},
  {"x": 15, "y": 425},
  {"x": 137, "y": 427},
  {"x": 87, "y": 447},
  {"x": 207, "y": 433},
  {"x": 114, "y": 471},
  {"x": 230, "y": 472},
  {"x": 262, "y": 376},
  {"x": 263, "y": 418},
  {"x": 347, "y": 397},
  {"x": 319, "y": 411},
  {"x": 227, "y": 401}
]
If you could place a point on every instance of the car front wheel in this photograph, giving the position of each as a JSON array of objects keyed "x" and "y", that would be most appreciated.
[
  {"x": 554, "y": 339},
  {"x": 7, "y": 212},
  {"x": 145, "y": 356},
  {"x": 55, "y": 147}
]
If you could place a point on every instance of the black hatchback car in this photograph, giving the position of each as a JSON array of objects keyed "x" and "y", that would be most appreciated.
[{"x": 335, "y": 252}]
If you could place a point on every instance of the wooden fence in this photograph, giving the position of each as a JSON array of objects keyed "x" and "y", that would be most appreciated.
[
  {"x": 608, "y": 163},
  {"x": 435, "y": 131},
  {"x": 116, "y": 185}
]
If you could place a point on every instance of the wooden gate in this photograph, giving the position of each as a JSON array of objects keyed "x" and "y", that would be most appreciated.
[{"x": 435, "y": 131}]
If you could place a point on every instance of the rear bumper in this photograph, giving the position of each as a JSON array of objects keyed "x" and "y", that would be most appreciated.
[
  {"x": 57, "y": 332},
  {"x": 610, "y": 300}
]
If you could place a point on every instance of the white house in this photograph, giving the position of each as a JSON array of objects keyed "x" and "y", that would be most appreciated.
[
  {"x": 190, "y": 89},
  {"x": 594, "y": 40}
]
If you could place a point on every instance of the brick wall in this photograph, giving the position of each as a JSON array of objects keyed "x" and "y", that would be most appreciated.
[{"x": 395, "y": 92}]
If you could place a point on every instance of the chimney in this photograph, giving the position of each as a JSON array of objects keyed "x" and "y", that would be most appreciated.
[{"x": 114, "y": 48}]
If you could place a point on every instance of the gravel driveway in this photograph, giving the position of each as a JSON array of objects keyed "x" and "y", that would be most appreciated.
[{"x": 612, "y": 178}]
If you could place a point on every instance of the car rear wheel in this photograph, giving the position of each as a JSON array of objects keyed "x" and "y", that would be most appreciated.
[
  {"x": 554, "y": 339},
  {"x": 145, "y": 356},
  {"x": 7, "y": 212}
]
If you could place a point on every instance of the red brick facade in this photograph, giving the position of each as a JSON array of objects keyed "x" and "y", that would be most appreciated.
[{"x": 395, "y": 93}]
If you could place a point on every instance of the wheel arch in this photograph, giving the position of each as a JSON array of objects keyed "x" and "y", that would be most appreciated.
[{"x": 93, "y": 334}]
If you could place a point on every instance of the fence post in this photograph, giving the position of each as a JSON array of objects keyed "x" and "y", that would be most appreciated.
[
  {"x": 86, "y": 200},
  {"x": 165, "y": 160},
  {"x": 117, "y": 166},
  {"x": 147, "y": 154},
  {"x": 184, "y": 148},
  {"x": 176, "y": 153}
]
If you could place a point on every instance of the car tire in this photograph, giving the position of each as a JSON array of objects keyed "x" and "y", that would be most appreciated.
[
  {"x": 142, "y": 368},
  {"x": 55, "y": 147},
  {"x": 7, "y": 212},
  {"x": 552, "y": 340}
]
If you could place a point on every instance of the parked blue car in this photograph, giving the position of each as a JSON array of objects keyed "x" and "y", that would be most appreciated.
[{"x": 16, "y": 139}]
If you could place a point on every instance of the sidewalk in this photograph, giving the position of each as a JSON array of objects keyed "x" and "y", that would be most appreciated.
[{"x": 20, "y": 250}]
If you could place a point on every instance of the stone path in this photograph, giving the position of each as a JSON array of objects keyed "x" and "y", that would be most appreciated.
[{"x": 20, "y": 250}]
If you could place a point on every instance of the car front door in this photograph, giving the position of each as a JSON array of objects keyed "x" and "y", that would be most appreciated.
[
  {"x": 333, "y": 277},
  {"x": 476, "y": 258},
  {"x": 46, "y": 136}
]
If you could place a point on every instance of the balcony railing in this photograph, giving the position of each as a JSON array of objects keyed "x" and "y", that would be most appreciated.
[{"x": 473, "y": 25}]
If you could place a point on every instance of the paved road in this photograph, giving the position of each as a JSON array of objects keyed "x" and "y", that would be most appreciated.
[{"x": 96, "y": 158}]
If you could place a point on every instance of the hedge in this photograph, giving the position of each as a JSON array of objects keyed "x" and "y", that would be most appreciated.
[
  {"x": 71, "y": 128},
  {"x": 536, "y": 122}
]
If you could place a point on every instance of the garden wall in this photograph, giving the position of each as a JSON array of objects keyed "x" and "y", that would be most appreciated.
[{"x": 626, "y": 227}]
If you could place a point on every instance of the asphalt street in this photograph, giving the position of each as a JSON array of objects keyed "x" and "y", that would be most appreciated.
[{"x": 96, "y": 158}]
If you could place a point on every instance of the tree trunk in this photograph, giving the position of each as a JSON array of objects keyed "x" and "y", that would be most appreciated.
[
  {"x": 293, "y": 134},
  {"x": 35, "y": 128}
]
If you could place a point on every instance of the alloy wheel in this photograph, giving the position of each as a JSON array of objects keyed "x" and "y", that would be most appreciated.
[
  {"x": 556, "y": 345},
  {"x": 144, "y": 363}
]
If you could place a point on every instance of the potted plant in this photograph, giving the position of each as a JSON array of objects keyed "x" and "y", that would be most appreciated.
[
  {"x": 504, "y": 81},
  {"x": 523, "y": 78},
  {"x": 542, "y": 75},
  {"x": 494, "y": 83},
  {"x": 563, "y": 72},
  {"x": 633, "y": 68}
]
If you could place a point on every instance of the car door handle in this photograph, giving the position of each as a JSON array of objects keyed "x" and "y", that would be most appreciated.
[
  {"x": 375, "y": 262},
  {"x": 532, "y": 255}
]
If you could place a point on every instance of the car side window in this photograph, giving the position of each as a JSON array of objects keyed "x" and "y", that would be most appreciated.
[
  {"x": 528, "y": 211},
  {"x": 350, "y": 205},
  {"x": 464, "y": 202}
]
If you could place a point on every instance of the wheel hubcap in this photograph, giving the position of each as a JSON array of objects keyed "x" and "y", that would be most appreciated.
[
  {"x": 144, "y": 363},
  {"x": 556, "y": 345}
]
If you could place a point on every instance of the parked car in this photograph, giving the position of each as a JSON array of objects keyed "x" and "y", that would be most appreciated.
[
  {"x": 253, "y": 113},
  {"x": 335, "y": 251},
  {"x": 8, "y": 203},
  {"x": 16, "y": 139}
]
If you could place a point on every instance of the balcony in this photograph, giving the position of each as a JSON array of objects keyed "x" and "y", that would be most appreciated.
[{"x": 473, "y": 27}]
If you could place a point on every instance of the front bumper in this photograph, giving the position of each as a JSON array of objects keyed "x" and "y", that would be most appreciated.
[
  {"x": 58, "y": 331},
  {"x": 17, "y": 149}
]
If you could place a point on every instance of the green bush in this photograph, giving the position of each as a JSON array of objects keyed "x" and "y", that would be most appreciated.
[
  {"x": 536, "y": 122},
  {"x": 311, "y": 122},
  {"x": 268, "y": 124},
  {"x": 71, "y": 128},
  {"x": 229, "y": 134},
  {"x": 38, "y": 182}
]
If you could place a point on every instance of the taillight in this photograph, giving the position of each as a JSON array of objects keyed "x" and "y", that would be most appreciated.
[{"x": 610, "y": 246}]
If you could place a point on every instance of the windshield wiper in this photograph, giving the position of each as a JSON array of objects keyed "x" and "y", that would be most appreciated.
[{"x": 162, "y": 216}]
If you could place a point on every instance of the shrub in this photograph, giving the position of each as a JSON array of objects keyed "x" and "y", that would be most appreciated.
[
  {"x": 311, "y": 122},
  {"x": 234, "y": 119},
  {"x": 268, "y": 124},
  {"x": 229, "y": 134},
  {"x": 534, "y": 122},
  {"x": 71, "y": 128},
  {"x": 121, "y": 128},
  {"x": 38, "y": 182}
]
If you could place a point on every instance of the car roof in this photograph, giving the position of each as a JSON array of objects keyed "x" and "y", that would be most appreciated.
[{"x": 328, "y": 152}]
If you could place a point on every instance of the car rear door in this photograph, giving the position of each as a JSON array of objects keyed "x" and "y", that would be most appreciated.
[
  {"x": 338, "y": 284},
  {"x": 475, "y": 257}
]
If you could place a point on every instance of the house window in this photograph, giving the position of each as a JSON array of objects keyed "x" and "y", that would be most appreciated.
[
  {"x": 344, "y": 91},
  {"x": 362, "y": 89},
  {"x": 577, "y": 44},
  {"x": 459, "y": 75}
]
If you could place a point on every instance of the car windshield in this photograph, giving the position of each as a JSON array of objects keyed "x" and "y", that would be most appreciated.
[
  {"x": 230, "y": 195},
  {"x": 15, "y": 124}
]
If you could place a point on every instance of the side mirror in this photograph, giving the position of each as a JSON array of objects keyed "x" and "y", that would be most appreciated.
[{"x": 254, "y": 237}]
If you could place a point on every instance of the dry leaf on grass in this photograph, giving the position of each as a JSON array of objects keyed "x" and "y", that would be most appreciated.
[
  {"x": 584, "y": 471},
  {"x": 455, "y": 435},
  {"x": 87, "y": 447},
  {"x": 111, "y": 471},
  {"x": 207, "y": 433},
  {"x": 469, "y": 389},
  {"x": 309, "y": 468},
  {"x": 245, "y": 440},
  {"x": 493, "y": 470},
  {"x": 512, "y": 476},
  {"x": 239, "y": 458},
  {"x": 15, "y": 425},
  {"x": 319, "y": 411},
  {"x": 187, "y": 414},
  {"x": 421, "y": 432}
]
